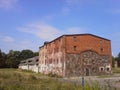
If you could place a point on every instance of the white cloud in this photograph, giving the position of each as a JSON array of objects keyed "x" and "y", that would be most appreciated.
[
  {"x": 49, "y": 17},
  {"x": 79, "y": 2},
  {"x": 41, "y": 30},
  {"x": 113, "y": 11},
  {"x": 44, "y": 31},
  {"x": 7, "y": 39},
  {"x": 72, "y": 2},
  {"x": 71, "y": 5},
  {"x": 8, "y": 4},
  {"x": 117, "y": 11},
  {"x": 20, "y": 45},
  {"x": 49, "y": 32},
  {"x": 75, "y": 30},
  {"x": 65, "y": 11},
  {"x": 26, "y": 44}
]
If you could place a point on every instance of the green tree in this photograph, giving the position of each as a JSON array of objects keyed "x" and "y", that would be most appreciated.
[
  {"x": 2, "y": 59},
  {"x": 113, "y": 61},
  {"x": 13, "y": 59},
  {"x": 118, "y": 59},
  {"x": 25, "y": 54},
  {"x": 119, "y": 55},
  {"x": 36, "y": 54}
]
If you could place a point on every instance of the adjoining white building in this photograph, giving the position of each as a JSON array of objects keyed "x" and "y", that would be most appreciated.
[{"x": 30, "y": 64}]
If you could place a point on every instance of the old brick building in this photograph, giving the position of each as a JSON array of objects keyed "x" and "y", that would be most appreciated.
[{"x": 76, "y": 55}]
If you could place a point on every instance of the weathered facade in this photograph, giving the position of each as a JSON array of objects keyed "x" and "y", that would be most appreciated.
[
  {"x": 30, "y": 64},
  {"x": 76, "y": 55}
]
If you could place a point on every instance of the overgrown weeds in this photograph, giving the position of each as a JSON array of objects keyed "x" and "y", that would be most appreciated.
[
  {"x": 116, "y": 70},
  {"x": 16, "y": 79},
  {"x": 54, "y": 75}
]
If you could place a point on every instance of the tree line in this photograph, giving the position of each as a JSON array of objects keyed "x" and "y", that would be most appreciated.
[
  {"x": 116, "y": 59},
  {"x": 13, "y": 58}
]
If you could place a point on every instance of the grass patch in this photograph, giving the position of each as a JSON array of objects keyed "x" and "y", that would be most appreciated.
[
  {"x": 54, "y": 75},
  {"x": 105, "y": 76},
  {"x": 116, "y": 70},
  {"x": 13, "y": 79},
  {"x": 16, "y": 79}
]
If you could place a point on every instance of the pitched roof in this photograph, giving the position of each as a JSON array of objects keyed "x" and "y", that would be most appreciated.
[{"x": 76, "y": 35}]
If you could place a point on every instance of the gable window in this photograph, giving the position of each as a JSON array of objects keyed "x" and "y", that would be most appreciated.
[
  {"x": 75, "y": 47},
  {"x": 101, "y": 41},
  {"x": 59, "y": 40},
  {"x": 101, "y": 49},
  {"x": 74, "y": 39}
]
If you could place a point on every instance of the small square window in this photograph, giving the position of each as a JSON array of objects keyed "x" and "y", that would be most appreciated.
[
  {"x": 101, "y": 41},
  {"x": 75, "y": 47},
  {"x": 74, "y": 38},
  {"x": 101, "y": 49},
  {"x": 59, "y": 40}
]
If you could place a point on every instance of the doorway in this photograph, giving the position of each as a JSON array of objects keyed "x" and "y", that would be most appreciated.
[{"x": 87, "y": 72}]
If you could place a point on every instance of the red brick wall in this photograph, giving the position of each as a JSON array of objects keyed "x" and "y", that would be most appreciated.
[
  {"x": 53, "y": 56},
  {"x": 88, "y": 42},
  {"x": 53, "y": 48},
  {"x": 61, "y": 50}
]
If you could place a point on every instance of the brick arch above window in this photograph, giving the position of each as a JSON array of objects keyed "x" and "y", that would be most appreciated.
[{"x": 89, "y": 50}]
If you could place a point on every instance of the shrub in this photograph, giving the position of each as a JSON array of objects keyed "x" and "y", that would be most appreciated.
[{"x": 54, "y": 75}]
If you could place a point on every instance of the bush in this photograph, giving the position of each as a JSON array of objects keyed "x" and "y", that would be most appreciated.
[
  {"x": 54, "y": 75},
  {"x": 32, "y": 77}
]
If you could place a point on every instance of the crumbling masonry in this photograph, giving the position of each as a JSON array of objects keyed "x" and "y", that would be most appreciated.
[{"x": 76, "y": 55}]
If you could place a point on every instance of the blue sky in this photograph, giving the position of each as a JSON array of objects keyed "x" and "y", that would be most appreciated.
[{"x": 26, "y": 24}]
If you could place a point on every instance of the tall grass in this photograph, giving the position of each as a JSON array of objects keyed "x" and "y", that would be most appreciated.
[
  {"x": 116, "y": 70},
  {"x": 25, "y": 80},
  {"x": 13, "y": 79}
]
